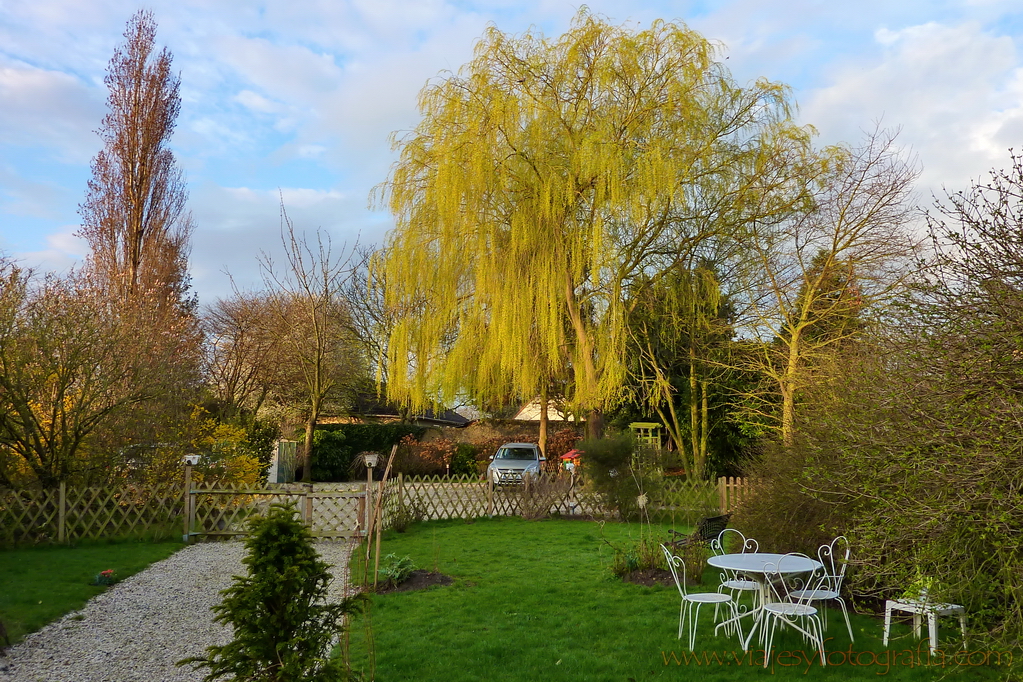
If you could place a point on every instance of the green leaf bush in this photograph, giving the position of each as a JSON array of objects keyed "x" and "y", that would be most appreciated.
[
  {"x": 620, "y": 473},
  {"x": 463, "y": 463},
  {"x": 395, "y": 569},
  {"x": 336, "y": 445}
]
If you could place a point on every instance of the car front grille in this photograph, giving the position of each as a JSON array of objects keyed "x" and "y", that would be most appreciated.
[{"x": 511, "y": 475}]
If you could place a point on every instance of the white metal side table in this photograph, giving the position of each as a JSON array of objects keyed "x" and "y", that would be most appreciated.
[{"x": 920, "y": 608}]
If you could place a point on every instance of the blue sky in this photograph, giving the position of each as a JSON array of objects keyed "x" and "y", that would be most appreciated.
[{"x": 298, "y": 99}]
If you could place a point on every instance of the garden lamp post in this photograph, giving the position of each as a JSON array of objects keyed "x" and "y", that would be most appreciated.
[
  {"x": 370, "y": 460},
  {"x": 188, "y": 511}
]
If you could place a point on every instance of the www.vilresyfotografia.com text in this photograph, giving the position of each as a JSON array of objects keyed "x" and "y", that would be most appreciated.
[{"x": 883, "y": 661}]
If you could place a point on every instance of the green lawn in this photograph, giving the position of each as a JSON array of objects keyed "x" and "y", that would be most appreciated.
[
  {"x": 533, "y": 601},
  {"x": 40, "y": 584}
]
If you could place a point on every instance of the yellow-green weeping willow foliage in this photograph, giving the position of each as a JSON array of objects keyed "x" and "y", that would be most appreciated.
[{"x": 545, "y": 180}]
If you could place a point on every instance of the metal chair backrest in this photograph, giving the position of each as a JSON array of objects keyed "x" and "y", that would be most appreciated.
[
  {"x": 733, "y": 539},
  {"x": 674, "y": 563},
  {"x": 834, "y": 567},
  {"x": 782, "y": 587}
]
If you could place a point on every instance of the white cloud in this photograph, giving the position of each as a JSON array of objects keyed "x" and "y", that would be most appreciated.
[
  {"x": 292, "y": 74},
  {"x": 257, "y": 102},
  {"x": 886, "y": 36},
  {"x": 236, "y": 224},
  {"x": 955, "y": 91},
  {"x": 302, "y": 198},
  {"x": 63, "y": 251},
  {"x": 51, "y": 109}
]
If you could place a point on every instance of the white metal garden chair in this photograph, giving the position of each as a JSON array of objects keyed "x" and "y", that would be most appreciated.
[
  {"x": 732, "y": 541},
  {"x": 835, "y": 557},
  {"x": 689, "y": 610},
  {"x": 792, "y": 608}
]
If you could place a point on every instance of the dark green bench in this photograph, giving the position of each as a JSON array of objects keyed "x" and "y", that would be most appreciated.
[{"x": 706, "y": 530}]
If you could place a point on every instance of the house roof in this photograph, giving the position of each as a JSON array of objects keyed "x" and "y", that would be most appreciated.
[
  {"x": 531, "y": 412},
  {"x": 370, "y": 406}
]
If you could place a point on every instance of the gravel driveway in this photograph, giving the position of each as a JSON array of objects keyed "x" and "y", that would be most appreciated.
[{"x": 137, "y": 630}]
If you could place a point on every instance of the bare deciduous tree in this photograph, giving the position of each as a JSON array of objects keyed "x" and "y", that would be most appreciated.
[
  {"x": 815, "y": 271},
  {"x": 240, "y": 351},
  {"x": 69, "y": 361},
  {"x": 371, "y": 318},
  {"x": 318, "y": 347}
]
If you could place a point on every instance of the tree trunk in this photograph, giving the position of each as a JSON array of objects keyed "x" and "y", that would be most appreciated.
[
  {"x": 674, "y": 428},
  {"x": 587, "y": 390},
  {"x": 543, "y": 422},
  {"x": 694, "y": 421},
  {"x": 307, "y": 454},
  {"x": 788, "y": 389},
  {"x": 704, "y": 430},
  {"x": 595, "y": 424}
]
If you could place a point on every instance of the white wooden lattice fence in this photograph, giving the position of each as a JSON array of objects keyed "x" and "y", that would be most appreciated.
[
  {"x": 69, "y": 514},
  {"x": 438, "y": 497}
]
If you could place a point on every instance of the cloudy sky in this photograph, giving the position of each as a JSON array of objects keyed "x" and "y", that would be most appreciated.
[{"x": 297, "y": 100}]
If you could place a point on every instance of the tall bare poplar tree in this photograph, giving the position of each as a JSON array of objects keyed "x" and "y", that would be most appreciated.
[
  {"x": 134, "y": 216},
  {"x": 135, "y": 221}
]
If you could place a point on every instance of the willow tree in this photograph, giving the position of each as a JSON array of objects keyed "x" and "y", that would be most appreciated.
[{"x": 544, "y": 180}]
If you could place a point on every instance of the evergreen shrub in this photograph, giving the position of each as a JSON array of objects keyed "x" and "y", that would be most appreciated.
[
  {"x": 463, "y": 463},
  {"x": 284, "y": 631}
]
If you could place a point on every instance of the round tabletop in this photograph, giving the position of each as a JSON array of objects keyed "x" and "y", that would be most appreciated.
[{"x": 759, "y": 562}]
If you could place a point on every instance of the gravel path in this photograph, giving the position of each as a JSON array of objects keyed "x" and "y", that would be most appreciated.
[{"x": 138, "y": 629}]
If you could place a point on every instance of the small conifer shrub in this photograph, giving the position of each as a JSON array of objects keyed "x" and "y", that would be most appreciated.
[{"x": 284, "y": 631}]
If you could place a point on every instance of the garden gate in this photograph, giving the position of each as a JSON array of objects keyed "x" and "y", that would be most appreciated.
[{"x": 330, "y": 510}]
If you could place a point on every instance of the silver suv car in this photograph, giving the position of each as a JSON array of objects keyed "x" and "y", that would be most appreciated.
[{"x": 513, "y": 461}]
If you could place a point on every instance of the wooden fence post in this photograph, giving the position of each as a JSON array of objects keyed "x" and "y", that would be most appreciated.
[
  {"x": 62, "y": 512},
  {"x": 191, "y": 512},
  {"x": 186, "y": 501},
  {"x": 369, "y": 507},
  {"x": 401, "y": 491},
  {"x": 490, "y": 497},
  {"x": 307, "y": 507},
  {"x": 360, "y": 511},
  {"x": 732, "y": 490}
]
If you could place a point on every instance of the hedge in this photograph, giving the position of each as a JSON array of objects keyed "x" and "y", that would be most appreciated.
[{"x": 336, "y": 445}]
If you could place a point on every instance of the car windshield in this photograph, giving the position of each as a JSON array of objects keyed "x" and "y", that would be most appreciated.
[{"x": 516, "y": 453}]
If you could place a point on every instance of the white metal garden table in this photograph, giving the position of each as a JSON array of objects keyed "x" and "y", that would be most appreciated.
[{"x": 756, "y": 565}]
